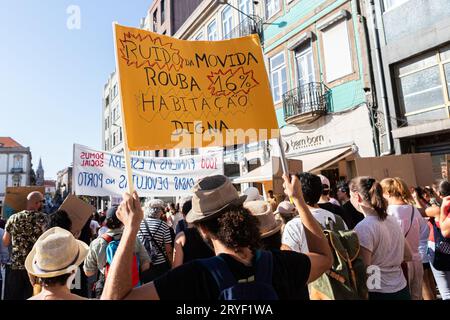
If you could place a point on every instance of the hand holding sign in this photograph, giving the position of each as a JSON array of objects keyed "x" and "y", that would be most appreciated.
[{"x": 130, "y": 211}]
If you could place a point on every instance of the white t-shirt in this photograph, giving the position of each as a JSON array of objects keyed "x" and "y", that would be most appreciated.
[
  {"x": 386, "y": 242},
  {"x": 294, "y": 233},
  {"x": 294, "y": 236},
  {"x": 403, "y": 215},
  {"x": 94, "y": 226}
]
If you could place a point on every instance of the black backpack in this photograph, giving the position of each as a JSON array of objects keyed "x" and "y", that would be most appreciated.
[{"x": 257, "y": 287}]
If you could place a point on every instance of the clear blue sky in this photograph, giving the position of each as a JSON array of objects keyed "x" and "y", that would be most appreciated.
[{"x": 52, "y": 78}]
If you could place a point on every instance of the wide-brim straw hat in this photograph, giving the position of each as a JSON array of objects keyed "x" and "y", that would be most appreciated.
[
  {"x": 212, "y": 195},
  {"x": 55, "y": 253},
  {"x": 262, "y": 210}
]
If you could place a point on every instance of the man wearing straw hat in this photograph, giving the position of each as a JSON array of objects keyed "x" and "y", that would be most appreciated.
[
  {"x": 218, "y": 213},
  {"x": 54, "y": 259}
]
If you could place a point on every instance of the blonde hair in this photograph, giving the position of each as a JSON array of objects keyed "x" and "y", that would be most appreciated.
[{"x": 397, "y": 188}]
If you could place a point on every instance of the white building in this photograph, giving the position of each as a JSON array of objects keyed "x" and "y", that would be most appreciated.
[{"x": 15, "y": 165}]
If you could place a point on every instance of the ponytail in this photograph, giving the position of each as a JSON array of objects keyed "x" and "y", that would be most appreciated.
[
  {"x": 377, "y": 200},
  {"x": 372, "y": 193}
]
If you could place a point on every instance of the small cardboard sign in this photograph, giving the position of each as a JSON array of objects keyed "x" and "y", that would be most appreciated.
[{"x": 78, "y": 211}]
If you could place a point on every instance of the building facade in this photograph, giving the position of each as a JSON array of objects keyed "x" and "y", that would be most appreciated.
[
  {"x": 319, "y": 68},
  {"x": 320, "y": 72},
  {"x": 64, "y": 182},
  {"x": 414, "y": 66},
  {"x": 15, "y": 165}
]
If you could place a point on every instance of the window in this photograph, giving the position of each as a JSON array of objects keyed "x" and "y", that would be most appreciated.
[
  {"x": 163, "y": 11},
  {"x": 423, "y": 85},
  {"x": 246, "y": 6},
  {"x": 199, "y": 36},
  {"x": 106, "y": 124},
  {"x": 107, "y": 101},
  {"x": 272, "y": 7},
  {"x": 212, "y": 31},
  {"x": 155, "y": 20},
  {"x": 114, "y": 138},
  {"x": 164, "y": 153},
  {"x": 278, "y": 76},
  {"x": 115, "y": 91},
  {"x": 156, "y": 153},
  {"x": 305, "y": 64},
  {"x": 18, "y": 162},
  {"x": 227, "y": 23},
  {"x": 390, "y": 4},
  {"x": 114, "y": 114},
  {"x": 337, "y": 54},
  {"x": 120, "y": 135}
]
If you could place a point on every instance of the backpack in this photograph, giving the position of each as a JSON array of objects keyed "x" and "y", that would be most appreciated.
[
  {"x": 257, "y": 287},
  {"x": 346, "y": 280},
  {"x": 111, "y": 251},
  {"x": 441, "y": 259}
]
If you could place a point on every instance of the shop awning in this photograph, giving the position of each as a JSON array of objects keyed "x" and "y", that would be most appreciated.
[
  {"x": 314, "y": 162},
  {"x": 260, "y": 174}
]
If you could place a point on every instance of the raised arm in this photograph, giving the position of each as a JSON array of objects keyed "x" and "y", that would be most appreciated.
[
  {"x": 444, "y": 218},
  {"x": 118, "y": 284},
  {"x": 319, "y": 251}
]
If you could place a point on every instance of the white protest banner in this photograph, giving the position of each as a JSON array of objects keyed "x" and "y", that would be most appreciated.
[{"x": 100, "y": 173}]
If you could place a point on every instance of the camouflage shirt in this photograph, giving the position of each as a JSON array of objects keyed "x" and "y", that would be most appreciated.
[{"x": 25, "y": 228}]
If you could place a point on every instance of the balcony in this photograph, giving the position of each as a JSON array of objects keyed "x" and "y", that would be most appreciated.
[
  {"x": 16, "y": 170},
  {"x": 246, "y": 27},
  {"x": 306, "y": 103}
]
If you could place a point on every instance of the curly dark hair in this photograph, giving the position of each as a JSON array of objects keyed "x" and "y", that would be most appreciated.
[
  {"x": 311, "y": 187},
  {"x": 235, "y": 227}
]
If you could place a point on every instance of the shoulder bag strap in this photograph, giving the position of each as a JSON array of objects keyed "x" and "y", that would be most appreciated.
[
  {"x": 152, "y": 239},
  {"x": 412, "y": 219}
]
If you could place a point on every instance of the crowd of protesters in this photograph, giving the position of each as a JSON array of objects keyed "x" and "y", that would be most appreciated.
[{"x": 215, "y": 242}]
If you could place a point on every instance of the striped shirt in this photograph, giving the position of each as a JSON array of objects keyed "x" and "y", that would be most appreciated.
[{"x": 161, "y": 234}]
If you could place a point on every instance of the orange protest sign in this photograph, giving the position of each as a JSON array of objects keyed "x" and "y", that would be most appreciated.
[{"x": 179, "y": 94}]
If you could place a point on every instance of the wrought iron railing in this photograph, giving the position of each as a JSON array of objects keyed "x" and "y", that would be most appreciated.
[
  {"x": 16, "y": 170},
  {"x": 246, "y": 27},
  {"x": 311, "y": 98}
]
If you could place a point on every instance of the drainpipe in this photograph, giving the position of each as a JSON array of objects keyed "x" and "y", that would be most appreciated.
[{"x": 380, "y": 76}]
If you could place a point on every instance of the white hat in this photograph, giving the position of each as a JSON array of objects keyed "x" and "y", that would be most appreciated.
[
  {"x": 324, "y": 180},
  {"x": 252, "y": 194},
  {"x": 55, "y": 253},
  {"x": 268, "y": 225}
]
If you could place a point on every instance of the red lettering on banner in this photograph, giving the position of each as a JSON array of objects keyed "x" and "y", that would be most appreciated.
[
  {"x": 92, "y": 159},
  {"x": 209, "y": 163}
]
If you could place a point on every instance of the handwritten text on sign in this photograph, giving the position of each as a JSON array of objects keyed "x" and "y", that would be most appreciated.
[
  {"x": 174, "y": 89},
  {"x": 98, "y": 173}
]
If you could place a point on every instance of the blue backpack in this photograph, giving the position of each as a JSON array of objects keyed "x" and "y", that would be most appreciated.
[
  {"x": 257, "y": 287},
  {"x": 111, "y": 251}
]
